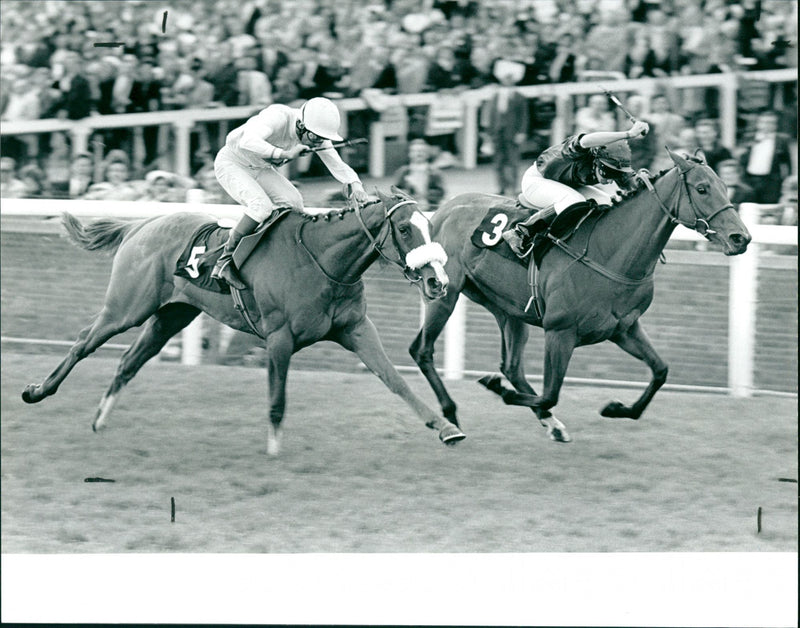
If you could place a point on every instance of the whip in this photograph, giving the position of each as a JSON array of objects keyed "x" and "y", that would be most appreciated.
[
  {"x": 360, "y": 140},
  {"x": 613, "y": 98}
]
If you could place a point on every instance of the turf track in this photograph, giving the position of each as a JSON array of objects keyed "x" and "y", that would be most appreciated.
[{"x": 358, "y": 473}]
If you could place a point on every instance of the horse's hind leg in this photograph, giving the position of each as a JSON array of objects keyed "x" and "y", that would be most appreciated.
[
  {"x": 515, "y": 337},
  {"x": 436, "y": 315},
  {"x": 162, "y": 326},
  {"x": 636, "y": 342},
  {"x": 106, "y": 325}
]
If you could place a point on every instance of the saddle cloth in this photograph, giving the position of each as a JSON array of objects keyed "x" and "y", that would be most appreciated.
[
  {"x": 499, "y": 218},
  {"x": 201, "y": 253}
]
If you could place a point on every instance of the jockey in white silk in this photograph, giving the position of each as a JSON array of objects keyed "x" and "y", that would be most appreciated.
[{"x": 246, "y": 167}]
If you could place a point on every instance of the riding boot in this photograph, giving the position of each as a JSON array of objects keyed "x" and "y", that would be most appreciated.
[
  {"x": 225, "y": 270},
  {"x": 521, "y": 236}
]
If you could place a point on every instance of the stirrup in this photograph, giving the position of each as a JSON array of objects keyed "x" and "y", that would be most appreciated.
[{"x": 225, "y": 271}]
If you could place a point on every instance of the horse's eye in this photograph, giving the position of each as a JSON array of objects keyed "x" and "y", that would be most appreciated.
[
  {"x": 404, "y": 230},
  {"x": 701, "y": 189}
]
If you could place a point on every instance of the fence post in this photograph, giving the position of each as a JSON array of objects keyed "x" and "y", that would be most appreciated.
[
  {"x": 469, "y": 146},
  {"x": 377, "y": 150},
  {"x": 183, "y": 139},
  {"x": 192, "y": 342},
  {"x": 727, "y": 109},
  {"x": 454, "y": 341},
  {"x": 743, "y": 283}
]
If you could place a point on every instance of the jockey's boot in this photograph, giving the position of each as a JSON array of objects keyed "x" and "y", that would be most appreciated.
[
  {"x": 521, "y": 236},
  {"x": 224, "y": 270}
]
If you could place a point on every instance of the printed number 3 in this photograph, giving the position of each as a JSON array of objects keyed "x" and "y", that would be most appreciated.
[
  {"x": 499, "y": 221},
  {"x": 191, "y": 266}
]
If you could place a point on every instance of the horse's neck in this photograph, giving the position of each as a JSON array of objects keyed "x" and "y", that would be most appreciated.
[
  {"x": 638, "y": 230},
  {"x": 341, "y": 247}
]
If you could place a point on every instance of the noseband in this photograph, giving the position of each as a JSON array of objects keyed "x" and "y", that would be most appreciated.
[
  {"x": 700, "y": 224},
  {"x": 410, "y": 270}
]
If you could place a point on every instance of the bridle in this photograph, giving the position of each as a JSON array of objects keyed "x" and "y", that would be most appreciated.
[
  {"x": 700, "y": 224},
  {"x": 377, "y": 242}
]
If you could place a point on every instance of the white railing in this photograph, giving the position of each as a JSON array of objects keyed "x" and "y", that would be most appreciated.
[
  {"x": 182, "y": 121},
  {"x": 742, "y": 283}
]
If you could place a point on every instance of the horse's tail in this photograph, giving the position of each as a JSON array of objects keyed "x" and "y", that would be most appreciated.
[{"x": 103, "y": 234}]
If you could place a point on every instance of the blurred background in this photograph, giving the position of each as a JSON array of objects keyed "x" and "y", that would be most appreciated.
[{"x": 128, "y": 101}]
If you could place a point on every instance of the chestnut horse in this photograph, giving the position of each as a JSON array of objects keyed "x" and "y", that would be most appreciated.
[{"x": 306, "y": 283}]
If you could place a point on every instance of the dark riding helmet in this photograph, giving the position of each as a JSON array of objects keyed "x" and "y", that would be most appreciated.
[{"x": 616, "y": 156}]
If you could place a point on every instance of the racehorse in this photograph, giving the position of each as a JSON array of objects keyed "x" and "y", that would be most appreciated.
[
  {"x": 305, "y": 279},
  {"x": 593, "y": 289}
]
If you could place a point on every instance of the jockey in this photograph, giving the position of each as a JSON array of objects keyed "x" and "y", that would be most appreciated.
[
  {"x": 246, "y": 167},
  {"x": 580, "y": 160}
]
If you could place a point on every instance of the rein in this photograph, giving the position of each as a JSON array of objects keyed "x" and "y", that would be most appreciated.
[
  {"x": 376, "y": 242},
  {"x": 700, "y": 224}
]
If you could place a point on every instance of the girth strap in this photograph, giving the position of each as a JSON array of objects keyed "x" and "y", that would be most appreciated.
[{"x": 238, "y": 303}]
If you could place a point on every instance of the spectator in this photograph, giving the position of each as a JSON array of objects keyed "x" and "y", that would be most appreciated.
[
  {"x": 730, "y": 171},
  {"x": 640, "y": 60},
  {"x": 75, "y": 101},
  {"x": 419, "y": 178},
  {"x": 708, "y": 139},
  {"x": 666, "y": 128},
  {"x": 595, "y": 116},
  {"x": 56, "y": 163},
  {"x": 165, "y": 187},
  {"x": 643, "y": 149},
  {"x": 146, "y": 96},
  {"x": 116, "y": 185},
  {"x": 34, "y": 181},
  {"x": 507, "y": 123},
  {"x": 253, "y": 86},
  {"x": 563, "y": 66},
  {"x": 210, "y": 191},
  {"x": 10, "y": 185},
  {"x": 81, "y": 175},
  {"x": 767, "y": 159}
]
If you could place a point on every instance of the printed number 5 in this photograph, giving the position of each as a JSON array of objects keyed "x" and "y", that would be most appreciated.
[
  {"x": 500, "y": 221},
  {"x": 191, "y": 266}
]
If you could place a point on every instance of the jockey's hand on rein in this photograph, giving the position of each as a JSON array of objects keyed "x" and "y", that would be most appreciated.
[{"x": 295, "y": 151}]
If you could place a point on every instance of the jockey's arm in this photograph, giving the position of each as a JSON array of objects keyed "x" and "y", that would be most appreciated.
[
  {"x": 253, "y": 133},
  {"x": 604, "y": 138}
]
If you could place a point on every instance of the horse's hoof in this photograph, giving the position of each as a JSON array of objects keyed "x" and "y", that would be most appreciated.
[
  {"x": 559, "y": 435},
  {"x": 450, "y": 435},
  {"x": 28, "y": 395},
  {"x": 492, "y": 382},
  {"x": 616, "y": 410}
]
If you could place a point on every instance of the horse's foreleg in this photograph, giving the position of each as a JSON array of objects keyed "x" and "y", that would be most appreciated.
[
  {"x": 280, "y": 346},
  {"x": 436, "y": 315},
  {"x": 515, "y": 337},
  {"x": 558, "y": 348},
  {"x": 636, "y": 343},
  {"x": 363, "y": 340},
  {"x": 105, "y": 326},
  {"x": 162, "y": 326}
]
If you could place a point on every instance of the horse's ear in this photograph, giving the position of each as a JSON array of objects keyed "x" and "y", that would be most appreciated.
[
  {"x": 700, "y": 156},
  {"x": 383, "y": 198},
  {"x": 683, "y": 165},
  {"x": 398, "y": 192}
]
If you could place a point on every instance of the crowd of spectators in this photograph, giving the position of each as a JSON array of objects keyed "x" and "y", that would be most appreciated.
[{"x": 217, "y": 53}]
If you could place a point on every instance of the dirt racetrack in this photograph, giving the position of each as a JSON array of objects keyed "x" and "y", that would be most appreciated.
[{"x": 358, "y": 473}]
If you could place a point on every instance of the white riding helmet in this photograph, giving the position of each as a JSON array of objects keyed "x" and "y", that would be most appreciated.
[{"x": 321, "y": 117}]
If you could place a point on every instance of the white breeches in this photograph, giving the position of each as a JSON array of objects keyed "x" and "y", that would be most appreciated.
[
  {"x": 543, "y": 193},
  {"x": 259, "y": 190}
]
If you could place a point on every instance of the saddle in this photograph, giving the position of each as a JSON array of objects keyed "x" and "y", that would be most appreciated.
[{"x": 205, "y": 246}]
